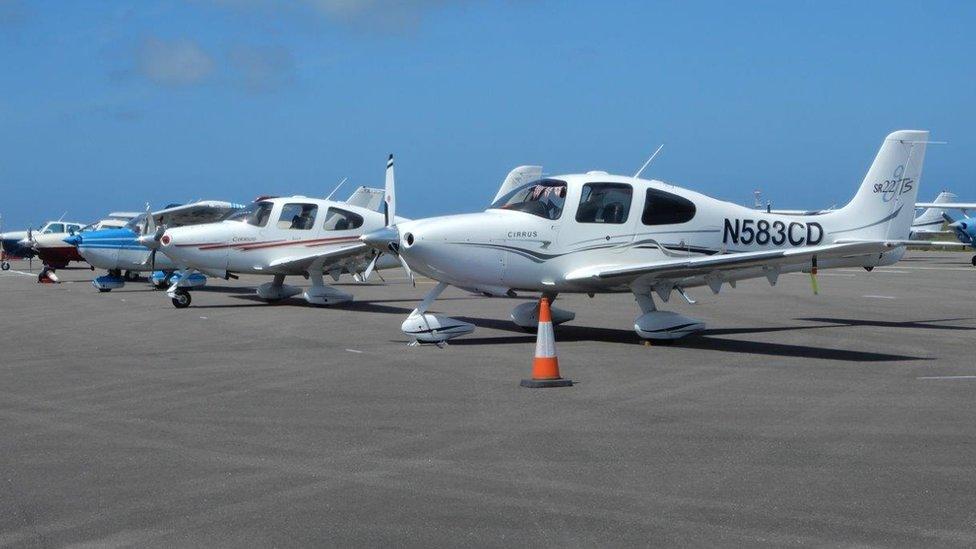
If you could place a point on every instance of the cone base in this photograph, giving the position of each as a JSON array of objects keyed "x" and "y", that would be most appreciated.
[{"x": 542, "y": 383}]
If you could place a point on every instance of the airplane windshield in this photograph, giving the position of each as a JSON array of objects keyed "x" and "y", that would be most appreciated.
[
  {"x": 257, "y": 214},
  {"x": 544, "y": 198}
]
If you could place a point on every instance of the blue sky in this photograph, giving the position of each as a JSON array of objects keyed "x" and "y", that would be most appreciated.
[{"x": 108, "y": 105}]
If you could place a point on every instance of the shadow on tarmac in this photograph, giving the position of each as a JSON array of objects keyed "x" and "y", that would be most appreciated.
[{"x": 706, "y": 340}]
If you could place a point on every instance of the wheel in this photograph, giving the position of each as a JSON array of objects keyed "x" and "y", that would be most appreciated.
[
  {"x": 41, "y": 276},
  {"x": 974, "y": 261},
  {"x": 5, "y": 266},
  {"x": 130, "y": 276},
  {"x": 181, "y": 299}
]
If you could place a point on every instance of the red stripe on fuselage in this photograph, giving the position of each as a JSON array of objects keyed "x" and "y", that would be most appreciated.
[{"x": 270, "y": 243}]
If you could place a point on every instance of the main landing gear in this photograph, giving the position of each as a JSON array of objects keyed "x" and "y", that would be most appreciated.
[
  {"x": 4, "y": 265},
  {"x": 974, "y": 261},
  {"x": 526, "y": 315}
]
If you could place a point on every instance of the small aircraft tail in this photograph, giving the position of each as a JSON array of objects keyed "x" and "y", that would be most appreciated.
[
  {"x": 931, "y": 219},
  {"x": 884, "y": 206}
]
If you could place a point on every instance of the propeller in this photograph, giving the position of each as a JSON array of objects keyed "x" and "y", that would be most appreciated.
[
  {"x": 387, "y": 239},
  {"x": 151, "y": 235}
]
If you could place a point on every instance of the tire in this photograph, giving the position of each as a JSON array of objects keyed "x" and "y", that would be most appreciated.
[
  {"x": 130, "y": 276},
  {"x": 182, "y": 299},
  {"x": 5, "y": 266},
  {"x": 974, "y": 261}
]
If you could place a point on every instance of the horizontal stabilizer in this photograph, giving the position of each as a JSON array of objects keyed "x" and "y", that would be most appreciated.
[
  {"x": 366, "y": 197},
  {"x": 947, "y": 205}
]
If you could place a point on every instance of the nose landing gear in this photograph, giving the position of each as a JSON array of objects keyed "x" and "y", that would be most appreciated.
[{"x": 181, "y": 298}]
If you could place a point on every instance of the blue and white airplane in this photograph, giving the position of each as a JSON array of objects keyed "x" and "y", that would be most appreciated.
[{"x": 119, "y": 252}]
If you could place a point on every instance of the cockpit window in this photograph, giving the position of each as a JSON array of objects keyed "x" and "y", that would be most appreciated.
[
  {"x": 300, "y": 217},
  {"x": 661, "y": 208},
  {"x": 544, "y": 198},
  {"x": 54, "y": 228},
  {"x": 604, "y": 203},
  {"x": 341, "y": 220},
  {"x": 256, "y": 214}
]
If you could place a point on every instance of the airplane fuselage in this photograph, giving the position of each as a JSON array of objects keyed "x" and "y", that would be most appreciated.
[{"x": 502, "y": 249}]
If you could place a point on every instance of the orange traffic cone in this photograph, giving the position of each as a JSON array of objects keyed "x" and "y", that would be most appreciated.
[{"x": 545, "y": 367}]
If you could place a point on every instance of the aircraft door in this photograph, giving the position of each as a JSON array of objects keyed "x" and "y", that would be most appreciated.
[{"x": 603, "y": 218}]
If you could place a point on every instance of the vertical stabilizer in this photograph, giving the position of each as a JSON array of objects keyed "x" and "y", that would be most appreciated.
[{"x": 884, "y": 205}]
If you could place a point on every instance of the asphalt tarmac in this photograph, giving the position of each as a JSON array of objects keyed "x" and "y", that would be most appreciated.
[{"x": 845, "y": 418}]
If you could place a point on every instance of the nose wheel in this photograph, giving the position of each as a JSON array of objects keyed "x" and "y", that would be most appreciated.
[
  {"x": 974, "y": 261},
  {"x": 181, "y": 298},
  {"x": 5, "y": 265}
]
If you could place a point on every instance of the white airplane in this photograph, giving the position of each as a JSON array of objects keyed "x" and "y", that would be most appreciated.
[
  {"x": 117, "y": 249},
  {"x": 56, "y": 253},
  {"x": 929, "y": 222},
  {"x": 281, "y": 236},
  {"x": 599, "y": 233}
]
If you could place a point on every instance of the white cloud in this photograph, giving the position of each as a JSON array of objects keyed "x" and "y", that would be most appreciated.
[
  {"x": 262, "y": 68},
  {"x": 179, "y": 62}
]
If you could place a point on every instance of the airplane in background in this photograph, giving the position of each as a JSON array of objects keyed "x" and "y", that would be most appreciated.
[
  {"x": 963, "y": 228},
  {"x": 20, "y": 243},
  {"x": 55, "y": 253},
  {"x": 599, "y": 233},
  {"x": 933, "y": 216},
  {"x": 279, "y": 237},
  {"x": 118, "y": 251}
]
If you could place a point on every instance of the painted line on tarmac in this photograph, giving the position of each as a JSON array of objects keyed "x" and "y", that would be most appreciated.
[
  {"x": 948, "y": 378},
  {"x": 11, "y": 271},
  {"x": 354, "y": 351},
  {"x": 880, "y": 296}
]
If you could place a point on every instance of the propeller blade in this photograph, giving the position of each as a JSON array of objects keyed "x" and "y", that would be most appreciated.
[
  {"x": 370, "y": 267},
  {"x": 389, "y": 194},
  {"x": 406, "y": 267}
]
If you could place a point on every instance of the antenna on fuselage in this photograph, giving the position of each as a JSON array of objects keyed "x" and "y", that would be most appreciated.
[
  {"x": 648, "y": 163},
  {"x": 337, "y": 188}
]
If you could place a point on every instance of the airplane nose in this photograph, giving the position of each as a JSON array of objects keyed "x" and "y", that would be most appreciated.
[
  {"x": 382, "y": 239},
  {"x": 73, "y": 240},
  {"x": 148, "y": 241}
]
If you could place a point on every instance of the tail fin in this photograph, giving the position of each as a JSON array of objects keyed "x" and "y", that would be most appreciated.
[
  {"x": 932, "y": 218},
  {"x": 884, "y": 205}
]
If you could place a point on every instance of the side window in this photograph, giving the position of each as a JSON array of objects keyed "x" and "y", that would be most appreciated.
[
  {"x": 73, "y": 228},
  {"x": 341, "y": 220},
  {"x": 604, "y": 203},
  {"x": 55, "y": 228},
  {"x": 661, "y": 208},
  {"x": 300, "y": 217}
]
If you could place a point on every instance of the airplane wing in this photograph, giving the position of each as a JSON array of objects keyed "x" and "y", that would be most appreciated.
[
  {"x": 301, "y": 263},
  {"x": 705, "y": 265},
  {"x": 929, "y": 244},
  {"x": 947, "y": 205},
  {"x": 205, "y": 211}
]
